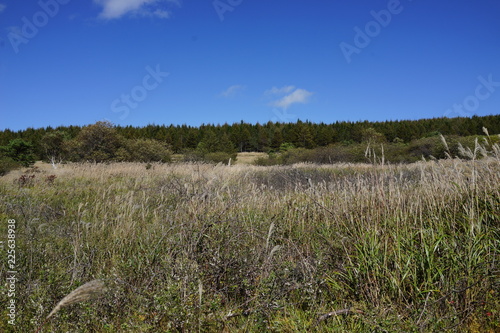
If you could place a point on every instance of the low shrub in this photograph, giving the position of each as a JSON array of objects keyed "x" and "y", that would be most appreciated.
[{"x": 7, "y": 165}]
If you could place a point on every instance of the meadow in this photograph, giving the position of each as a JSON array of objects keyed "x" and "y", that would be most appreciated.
[{"x": 189, "y": 247}]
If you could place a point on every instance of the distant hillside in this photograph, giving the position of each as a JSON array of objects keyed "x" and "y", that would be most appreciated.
[{"x": 405, "y": 140}]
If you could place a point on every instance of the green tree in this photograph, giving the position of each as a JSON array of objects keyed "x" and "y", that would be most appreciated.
[
  {"x": 53, "y": 146},
  {"x": 302, "y": 136},
  {"x": 209, "y": 143},
  {"x": 98, "y": 143},
  {"x": 20, "y": 151},
  {"x": 212, "y": 143},
  {"x": 370, "y": 135},
  {"x": 277, "y": 139},
  {"x": 323, "y": 135},
  {"x": 143, "y": 150},
  {"x": 216, "y": 148},
  {"x": 241, "y": 136}
]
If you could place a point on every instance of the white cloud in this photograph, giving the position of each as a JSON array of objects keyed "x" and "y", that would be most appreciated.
[
  {"x": 292, "y": 96},
  {"x": 231, "y": 91},
  {"x": 2, "y": 7},
  {"x": 112, "y": 9},
  {"x": 161, "y": 13},
  {"x": 279, "y": 91}
]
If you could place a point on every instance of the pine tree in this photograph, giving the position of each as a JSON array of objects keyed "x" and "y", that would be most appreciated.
[{"x": 20, "y": 151}]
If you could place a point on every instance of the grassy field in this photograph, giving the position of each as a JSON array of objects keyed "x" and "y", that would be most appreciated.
[
  {"x": 249, "y": 158},
  {"x": 303, "y": 248},
  {"x": 242, "y": 158}
]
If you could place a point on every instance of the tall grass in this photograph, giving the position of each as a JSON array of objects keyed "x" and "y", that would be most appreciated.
[{"x": 194, "y": 247}]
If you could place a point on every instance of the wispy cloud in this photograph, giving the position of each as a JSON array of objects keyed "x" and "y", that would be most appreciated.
[
  {"x": 113, "y": 9},
  {"x": 292, "y": 96},
  {"x": 2, "y": 7},
  {"x": 161, "y": 13},
  {"x": 279, "y": 91},
  {"x": 232, "y": 90}
]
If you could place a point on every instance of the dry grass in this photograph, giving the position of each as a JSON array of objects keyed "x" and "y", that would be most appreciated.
[
  {"x": 249, "y": 158},
  {"x": 199, "y": 247},
  {"x": 88, "y": 291}
]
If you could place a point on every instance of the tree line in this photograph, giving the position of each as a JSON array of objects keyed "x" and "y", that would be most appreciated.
[{"x": 104, "y": 141}]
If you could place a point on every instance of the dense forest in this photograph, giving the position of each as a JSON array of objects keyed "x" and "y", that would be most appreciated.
[{"x": 404, "y": 141}]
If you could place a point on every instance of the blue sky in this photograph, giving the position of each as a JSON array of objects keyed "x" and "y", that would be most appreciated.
[{"x": 139, "y": 62}]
